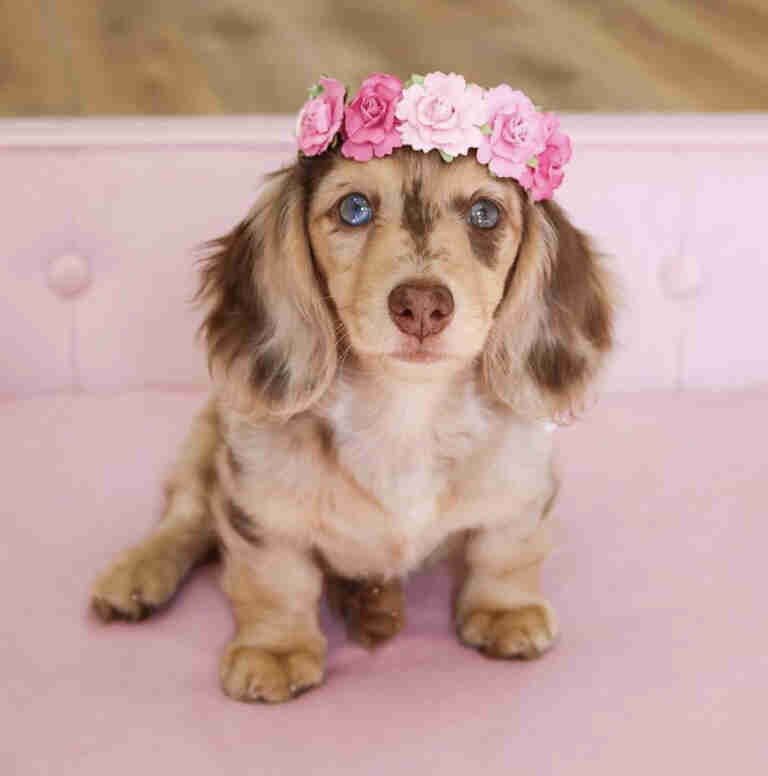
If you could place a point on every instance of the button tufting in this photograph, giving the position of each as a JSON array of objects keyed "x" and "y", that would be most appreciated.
[
  {"x": 69, "y": 275},
  {"x": 680, "y": 277}
]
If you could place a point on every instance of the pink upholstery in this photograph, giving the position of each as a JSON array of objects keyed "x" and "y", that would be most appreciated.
[{"x": 662, "y": 665}]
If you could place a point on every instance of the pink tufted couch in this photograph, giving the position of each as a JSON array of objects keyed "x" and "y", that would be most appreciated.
[{"x": 659, "y": 574}]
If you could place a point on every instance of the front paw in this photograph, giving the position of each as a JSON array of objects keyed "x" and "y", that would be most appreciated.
[
  {"x": 252, "y": 674},
  {"x": 525, "y": 632},
  {"x": 139, "y": 582}
]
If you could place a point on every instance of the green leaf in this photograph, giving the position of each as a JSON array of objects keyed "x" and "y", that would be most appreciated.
[
  {"x": 533, "y": 162},
  {"x": 486, "y": 129},
  {"x": 316, "y": 90},
  {"x": 414, "y": 79},
  {"x": 446, "y": 157}
]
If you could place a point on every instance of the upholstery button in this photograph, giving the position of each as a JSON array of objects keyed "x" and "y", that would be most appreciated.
[
  {"x": 69, "y": 275},
  {"x": 680, "y": 277}
]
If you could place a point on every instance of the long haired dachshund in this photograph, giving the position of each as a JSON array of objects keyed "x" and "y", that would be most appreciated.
[{"x": 389, "y": 343}]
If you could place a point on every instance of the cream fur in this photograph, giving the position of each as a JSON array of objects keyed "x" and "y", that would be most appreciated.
[{"x": 323, "y": 451}]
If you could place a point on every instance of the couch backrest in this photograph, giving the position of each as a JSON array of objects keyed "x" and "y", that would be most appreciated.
[{"x": 101, "y": 219}]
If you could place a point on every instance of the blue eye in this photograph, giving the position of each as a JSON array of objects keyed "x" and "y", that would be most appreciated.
[
  {"x": 483, "y": 214},
  {"x": 355, "y": 210}
]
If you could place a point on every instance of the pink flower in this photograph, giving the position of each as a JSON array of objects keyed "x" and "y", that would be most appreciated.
[
  {"x": 547, "y": 175},
  {"x": 517, "y": 132},
  {"x": 320, "y": 118},
  {"x": 441, "y": 111},
  {"x": 370, "y": 126}
]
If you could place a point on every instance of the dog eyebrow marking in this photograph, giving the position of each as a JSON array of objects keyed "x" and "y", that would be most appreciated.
[
  {"x": 243, "y": 526},
  {"x": 483, "y": 242},
  {"x": 418, "y": 215}
]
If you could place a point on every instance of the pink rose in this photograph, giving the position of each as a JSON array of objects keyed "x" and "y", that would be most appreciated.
[
  {"x": 320, "y": 118},
  {"x": 441, "y": 111},
  {"x": 547, "y": 175},
  {"x": 370, "y": 126},
  {"x": 517, "y": 132}
]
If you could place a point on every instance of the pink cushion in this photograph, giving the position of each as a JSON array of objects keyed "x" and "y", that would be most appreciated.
[{"x": 658, "y": 581}]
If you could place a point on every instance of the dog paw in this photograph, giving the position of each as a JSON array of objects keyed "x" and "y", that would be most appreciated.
[
  {"x": 525, "y": 633},
  {"x": 253, "y": 674},
  {"x": 137, "y": 584}
]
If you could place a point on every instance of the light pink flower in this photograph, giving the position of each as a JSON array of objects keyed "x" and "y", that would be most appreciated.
[
  {"x": 442, "y": 112},
  {"x": 517, "y": 132},
  {"x": 547, "y": 175},
  {"x": 370, "y": 126},
  {"x": 320, "y": 118}
]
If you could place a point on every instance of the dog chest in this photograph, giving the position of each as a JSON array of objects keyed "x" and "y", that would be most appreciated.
[{"x": 378, "y": 493}]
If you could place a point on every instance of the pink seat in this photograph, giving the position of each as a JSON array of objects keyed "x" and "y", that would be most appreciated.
[{"x": 662, "y": 665}]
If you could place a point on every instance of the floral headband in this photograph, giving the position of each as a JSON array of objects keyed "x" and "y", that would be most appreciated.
[{"x": 443, "y": 112}]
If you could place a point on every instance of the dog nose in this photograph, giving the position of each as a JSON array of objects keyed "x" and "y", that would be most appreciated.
[{"x": 421, "y": 310}]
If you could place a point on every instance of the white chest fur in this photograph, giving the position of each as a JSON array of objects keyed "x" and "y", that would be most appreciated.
[
  {"x": 410, "y": 466},
  {"x": 391, "y": 448}
]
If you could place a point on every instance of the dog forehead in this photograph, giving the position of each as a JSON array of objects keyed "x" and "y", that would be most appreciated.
[
  {"x": 426, "y": 180},
  {"x": 437, "y": 185}
]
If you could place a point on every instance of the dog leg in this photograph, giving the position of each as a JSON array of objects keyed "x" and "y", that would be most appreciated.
[
  {"x": 144, "y": 577},
  {"x": 500, "y": 610},
  {"x": 278, "y": 650}
]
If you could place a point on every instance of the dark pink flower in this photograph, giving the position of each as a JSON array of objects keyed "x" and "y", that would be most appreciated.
[
  {"x": 370, "y": 126},
  {"x": 547, "y": 174}
]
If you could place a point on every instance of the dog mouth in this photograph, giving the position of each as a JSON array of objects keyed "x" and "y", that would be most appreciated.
[
  {"x": 419, "y": 356},
  {"x": 416, "y": 351}
]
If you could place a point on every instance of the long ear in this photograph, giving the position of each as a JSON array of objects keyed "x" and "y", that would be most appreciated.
[
  {"x": 555, "y": 322},
  {"x": 269, "y": 331}
]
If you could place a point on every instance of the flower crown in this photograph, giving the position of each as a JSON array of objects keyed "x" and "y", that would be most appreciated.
[{"x": 442, "y": 112}]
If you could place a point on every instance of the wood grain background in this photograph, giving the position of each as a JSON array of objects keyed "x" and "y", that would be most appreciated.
[{"x": 82, "y": 57}]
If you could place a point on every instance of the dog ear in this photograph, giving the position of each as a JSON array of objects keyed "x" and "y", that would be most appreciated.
[
  {"x": 554, "y": 324},
  {"x": 269, "y": 331}
]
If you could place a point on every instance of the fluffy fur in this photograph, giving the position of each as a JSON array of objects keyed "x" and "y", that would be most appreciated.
[{"x": 337, "y": 449}]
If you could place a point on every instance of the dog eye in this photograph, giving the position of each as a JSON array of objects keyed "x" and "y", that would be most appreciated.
[
  {"x": 355, "y": 210},
  {"x": 483, "y": 214}
]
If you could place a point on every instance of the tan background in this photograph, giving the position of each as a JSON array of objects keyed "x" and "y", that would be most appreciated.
[{"x": 78, "y": 57}]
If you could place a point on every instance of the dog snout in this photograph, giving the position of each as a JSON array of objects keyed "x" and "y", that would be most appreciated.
[{"x": 421, "y": 310}]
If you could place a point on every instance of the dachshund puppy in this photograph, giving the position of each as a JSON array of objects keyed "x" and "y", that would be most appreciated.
[{"x": 389, "y": 343}]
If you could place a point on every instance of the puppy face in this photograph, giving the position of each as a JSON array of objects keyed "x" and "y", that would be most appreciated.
[
  {"x": 420, "y": 277},
  {"x": 406, "y": 261}
]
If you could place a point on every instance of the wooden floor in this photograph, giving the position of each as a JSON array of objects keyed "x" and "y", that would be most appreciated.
[{"x": 79, "y": 57}]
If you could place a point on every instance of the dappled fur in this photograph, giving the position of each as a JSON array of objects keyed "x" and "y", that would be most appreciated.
[
  {"x": 337, "y": 448},
  {"x": 271, "y": 326},
  {"x": 269, "y": 331},
  {"x": 555, "y": 323}
]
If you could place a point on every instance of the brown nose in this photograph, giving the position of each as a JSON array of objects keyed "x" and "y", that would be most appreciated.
[{"x": 421, "y": 310}]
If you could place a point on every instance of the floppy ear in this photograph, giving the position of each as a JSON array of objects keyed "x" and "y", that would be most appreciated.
[
  {"x": 269, "y": 331},
  {"x": 555, "y": 322}
]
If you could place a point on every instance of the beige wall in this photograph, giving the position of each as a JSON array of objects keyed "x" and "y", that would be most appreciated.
[{"x": 78, "y": 57}]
